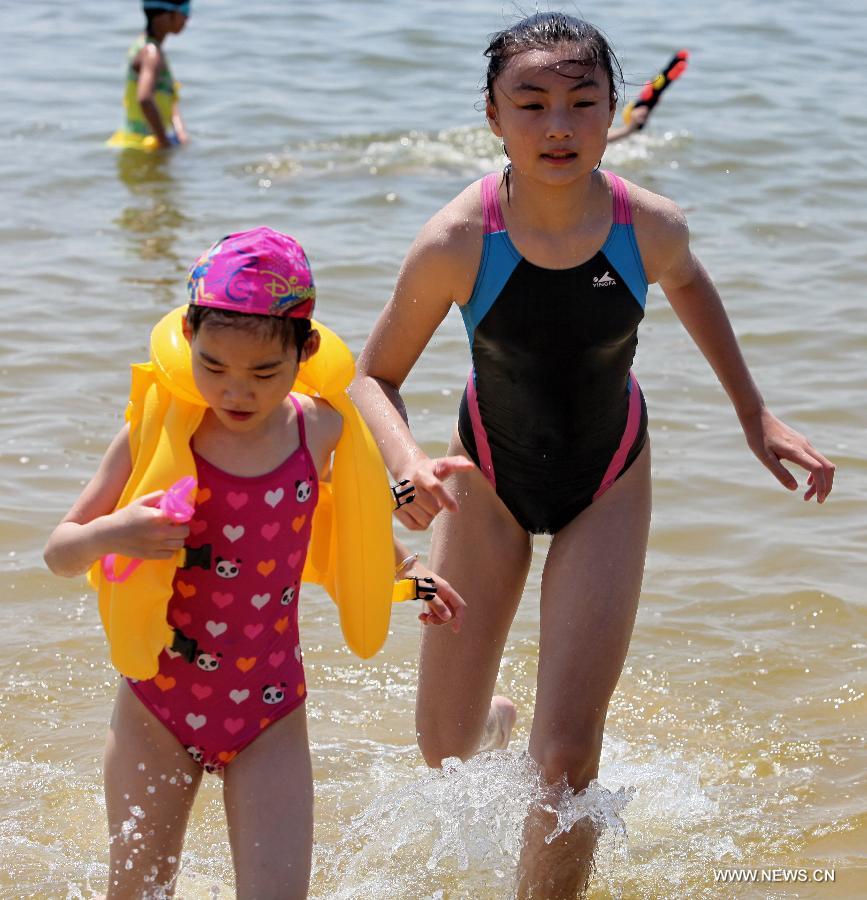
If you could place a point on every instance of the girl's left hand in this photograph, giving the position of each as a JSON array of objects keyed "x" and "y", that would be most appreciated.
[
  {"x": 772, "y": 440},
  {"x": 447, "y": 606}
]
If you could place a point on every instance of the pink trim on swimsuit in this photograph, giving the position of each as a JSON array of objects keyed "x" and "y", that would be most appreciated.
[
  {"x": 491, "y": 209},
  {"x": 483, "y": 449},
  {"x": 622, "y": 211},
  {"x": 633, "y": 419}
]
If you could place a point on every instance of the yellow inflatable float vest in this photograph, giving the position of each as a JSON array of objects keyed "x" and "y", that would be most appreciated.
[{"x": 351, "y": 551}]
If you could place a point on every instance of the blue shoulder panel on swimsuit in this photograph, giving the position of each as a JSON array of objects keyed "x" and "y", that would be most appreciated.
[
  {"x": 621, "y": 250},
  {"x": 499, "y": 259}
]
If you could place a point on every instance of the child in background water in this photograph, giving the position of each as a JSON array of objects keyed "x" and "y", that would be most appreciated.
[
  {"x": 153, "y": 120},
  {"x": 235, "y": 704}
]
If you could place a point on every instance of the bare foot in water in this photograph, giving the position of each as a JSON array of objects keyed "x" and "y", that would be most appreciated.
[{"x": 498, "y": 728}]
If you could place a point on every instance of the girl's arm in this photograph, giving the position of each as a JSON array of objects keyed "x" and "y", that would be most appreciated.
[
  {"x": 447, "y": 605},
  {"x": 324, "y": 426},
  {"x": 178, "y": 125},
  {"x": 149, "y": 63},
  {"x": 635, "y": 123},
  {"x": 697, "y": 304},
  {"x": 92, "y": 528},
  {"x": 433, "y": 275}
]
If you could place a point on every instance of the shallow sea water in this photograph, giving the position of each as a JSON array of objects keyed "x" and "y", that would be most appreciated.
[{"x": 736, "y": 735}]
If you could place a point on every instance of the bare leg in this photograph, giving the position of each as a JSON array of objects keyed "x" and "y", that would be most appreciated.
[
  {"x": 150, "y": 784},
  {"x": 485, "y": 555},
  {"x": 590, "y": 590},
  {"x": 268, "y": 791}
]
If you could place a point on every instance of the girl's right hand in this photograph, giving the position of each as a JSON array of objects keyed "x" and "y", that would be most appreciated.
[
  {"x": 431, "y": 495},
  {"x": 141, "y": 530}
]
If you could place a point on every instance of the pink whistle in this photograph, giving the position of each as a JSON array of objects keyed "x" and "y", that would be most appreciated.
[{"x": 174, "y": 505}]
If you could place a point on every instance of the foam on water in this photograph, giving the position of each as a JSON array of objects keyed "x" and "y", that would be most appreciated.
[{"x": 467, "y": 152}]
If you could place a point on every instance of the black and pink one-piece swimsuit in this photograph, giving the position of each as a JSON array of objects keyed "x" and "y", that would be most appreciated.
[{"x": 552, "y": 413}]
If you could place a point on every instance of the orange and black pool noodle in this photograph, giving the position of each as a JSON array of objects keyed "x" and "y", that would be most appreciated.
[{"x": 652, "y": 90}]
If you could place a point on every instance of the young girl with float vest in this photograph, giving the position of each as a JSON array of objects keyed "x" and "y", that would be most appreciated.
[
  {"x": 150, "y": 100},
  {"x": 206, "y": 627},
  {"x": 549, "y": 263}
]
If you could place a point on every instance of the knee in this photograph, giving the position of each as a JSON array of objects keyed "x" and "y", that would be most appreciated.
[
  {"x": 575, "y": 756},
  {"x": 446, "y": 740}
]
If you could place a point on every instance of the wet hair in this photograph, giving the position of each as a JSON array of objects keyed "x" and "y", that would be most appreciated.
[
  {"x": 290, "y": 331},
  {"x": 543, "y": 31},
  {"x": 551, "y": 29}
]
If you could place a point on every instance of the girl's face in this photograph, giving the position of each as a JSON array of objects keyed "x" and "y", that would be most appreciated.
[
  {"x": 179, "y": 22},
  {"x": 243, "y": 376},
  {"x": 552, "y": 113},
  {"x": 172, "y": 22}
]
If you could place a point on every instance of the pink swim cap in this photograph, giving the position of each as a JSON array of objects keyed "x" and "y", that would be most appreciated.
[{"x": 261, "y": 272}]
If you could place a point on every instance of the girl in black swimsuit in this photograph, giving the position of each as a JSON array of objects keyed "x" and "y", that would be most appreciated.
[{"x": 549, "y": 266}]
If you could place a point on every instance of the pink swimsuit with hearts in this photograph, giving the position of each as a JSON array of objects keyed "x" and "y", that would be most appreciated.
[{"x": 235, "y": 666}]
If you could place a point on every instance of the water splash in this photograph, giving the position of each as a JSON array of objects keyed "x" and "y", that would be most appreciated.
[{"x": 460, "y": 826}]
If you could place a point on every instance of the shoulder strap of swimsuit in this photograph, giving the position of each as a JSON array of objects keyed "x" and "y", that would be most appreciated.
[
  {"x": 622, "y": 210},
  {"x": 491, "y": 209},
  {"x": 302, "y": 435}
]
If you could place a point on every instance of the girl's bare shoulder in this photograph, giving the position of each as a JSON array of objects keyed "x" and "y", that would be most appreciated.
[
  {"x": 449, "y": 245},
  {"x": 660, "y": 228},
  {"x": 320, "y": 417},
  {"x": 323, "y": 426}
]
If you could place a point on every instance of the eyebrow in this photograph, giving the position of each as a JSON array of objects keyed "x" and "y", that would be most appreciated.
[
  {"x": 578, "y": 86},
  {"x": 205, "y": 357}
]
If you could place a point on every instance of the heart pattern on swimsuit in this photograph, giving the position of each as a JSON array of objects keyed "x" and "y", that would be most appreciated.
[
  {"x": 233, "y": 533},
  {"x": 272, "y": 498},
  {"x": 181, "y": 618},
  {"x": 270, "y": 531},
  {"x": 215, "y": 629},
  {"x": 260, "y": 600},
  {"x": 164, "y": 682},
  {"x": 196, "y": 721}
]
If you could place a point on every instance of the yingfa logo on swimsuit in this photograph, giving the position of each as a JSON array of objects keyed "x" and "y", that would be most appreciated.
[{"x": 603, "y": 281}]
